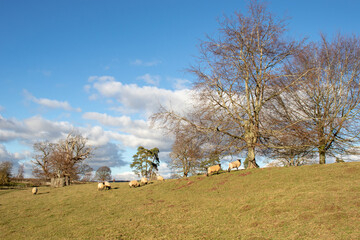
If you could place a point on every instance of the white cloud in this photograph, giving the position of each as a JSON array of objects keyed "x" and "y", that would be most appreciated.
[
  {"x": 180, "y": 83},
  {"x": 1, "y": 108},
  {"x": 150, "y": 79},
  {"x": 31, "y": 129},
  {"x": 139, "y": 62},
  {"x": 131, "y": 133},
  {"x": 12, "y": 157},
  {"x": 126, "y": 176},
  {"x": 132, "y": 98},
  {"x": 50, "y": 103}
]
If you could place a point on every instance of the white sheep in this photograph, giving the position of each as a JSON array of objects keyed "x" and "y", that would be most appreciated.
[
  {"x": 107, "y": 185},
  {"x": 101, "y": 186},
  {"x": 160, "y": 178},
  {"x": 134, "y": 184},
  {"x": 34, "y": 190},
  {"x": 212, "y": 169},
  {"x": 144, "y": 180},
  {"x": 236, "y": 164}
]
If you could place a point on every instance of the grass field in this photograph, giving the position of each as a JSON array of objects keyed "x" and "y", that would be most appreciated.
[{"x": 309, "y": 202}]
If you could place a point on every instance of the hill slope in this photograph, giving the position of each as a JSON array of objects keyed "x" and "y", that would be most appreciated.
[{"x": 309, "y": 202}]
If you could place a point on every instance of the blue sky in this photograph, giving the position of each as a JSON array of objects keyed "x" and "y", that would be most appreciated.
[{"x": 102, "y": 67}]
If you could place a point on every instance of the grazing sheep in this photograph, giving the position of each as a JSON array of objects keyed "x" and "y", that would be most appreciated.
[
  {"x": 160, "y": 178},
  {"x": 107, "y": 185},
  {"x": 212, "y": 169},
  {"x": 235, "y": 164},
  {"x": 144, "y": 181},
  {"x": 34, "y": 190},
  {"x": 101, "y": 186},
  {"x": 134, "y": 184}
]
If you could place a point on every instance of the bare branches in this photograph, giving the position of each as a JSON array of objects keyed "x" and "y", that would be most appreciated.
[
  {"x": 63, "y": 158},
  {"x": 326, "y": 101},
  {"x": 236, "y": 75}
]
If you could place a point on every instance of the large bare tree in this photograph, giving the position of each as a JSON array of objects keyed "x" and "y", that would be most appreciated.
[
  {"x": 61, "y": 159},
  {"x": 323, "y": 108},
  {"x": 236, "y": 74}
]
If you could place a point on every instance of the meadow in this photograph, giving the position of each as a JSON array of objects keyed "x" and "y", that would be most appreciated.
[{"x": 308, "y": 202}]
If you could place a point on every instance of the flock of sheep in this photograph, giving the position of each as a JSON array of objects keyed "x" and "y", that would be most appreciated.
[
  {"x": 216, "y": 168},
  {"x": 213, "y": 169},
  {"x": 143, "y": 181},
  {"x": 134, "y": 183}
]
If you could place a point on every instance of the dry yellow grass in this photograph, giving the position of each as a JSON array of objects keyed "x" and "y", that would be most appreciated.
[{"x": 309, "y": 202}]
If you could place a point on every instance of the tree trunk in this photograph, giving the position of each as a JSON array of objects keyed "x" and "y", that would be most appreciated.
[
  {"x": 67, "y": 180},
  {"x": 57, "y": 182},
  {"x": 250, "y": 138},
  {"x": 322, "y": 155},
  {"x": 251, "y": 158}
]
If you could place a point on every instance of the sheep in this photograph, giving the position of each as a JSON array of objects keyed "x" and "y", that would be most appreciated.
[
  {"x": 107, "y": 185},
  {"x": 101, "y": 186},
  {"x": 34, "y": 190},
  {"x": 144, "y": 180},
  {"x": 212, "y": 169},
  {"x": 160, "y": 178},
  {"x": 134, "y": 184},
  {"x": 235, "y": 164}
]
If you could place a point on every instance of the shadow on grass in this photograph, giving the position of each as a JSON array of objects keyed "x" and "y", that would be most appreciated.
[{"x": 42, "y": 193}]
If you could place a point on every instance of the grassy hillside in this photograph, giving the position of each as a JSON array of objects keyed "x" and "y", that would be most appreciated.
[{"x": 309, "y": 202}]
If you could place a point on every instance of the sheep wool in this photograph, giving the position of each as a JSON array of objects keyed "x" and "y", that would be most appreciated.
[
  {"x": 160, "y": 178},
  {"x": 101, "y": 186},
  {"x": 236, "y": 164},
  {"x": 134, "y": 184},
  {"x": 144, "y": 180},
  {"x": 213, "y": 169},
  {"x": 107, "y": 185},
  {"x": 34, "y": 190}
]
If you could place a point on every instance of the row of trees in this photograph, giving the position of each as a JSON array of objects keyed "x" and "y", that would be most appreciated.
[{"x": 260, "y": 93}]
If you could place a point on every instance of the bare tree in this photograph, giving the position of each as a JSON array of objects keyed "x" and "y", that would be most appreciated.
[
  {"x": 20, "y": 173},
  {"x": 85, "y": 172},
  {"x": 186, "y": 154},
  {"x": 62, "y": 159},
  {"x": 322, "y": 110},
  {"x": 103, "y": 173},
  {"x": 69, "y": 155},
  {"x": 236, "y": 73}
]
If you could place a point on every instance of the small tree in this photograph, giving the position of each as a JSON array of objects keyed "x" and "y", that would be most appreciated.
[
  {"x": 103, "y": 174},
  {"x": 5, "y": 172},
  {"x": 85, "y": 172},
  {"x": 186, "y": 154},
  {"x": 20, "y": 174},
  {"x": 146, "y": 162}
]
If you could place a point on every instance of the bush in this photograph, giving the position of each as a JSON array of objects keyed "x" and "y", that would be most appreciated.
[{"x": 5, "y": 172}]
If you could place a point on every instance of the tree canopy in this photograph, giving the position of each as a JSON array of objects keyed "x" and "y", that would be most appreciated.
[{"x": 146, "y": 162}]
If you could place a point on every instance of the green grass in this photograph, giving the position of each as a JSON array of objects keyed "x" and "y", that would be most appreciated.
[{"x": 309, "y": 202}]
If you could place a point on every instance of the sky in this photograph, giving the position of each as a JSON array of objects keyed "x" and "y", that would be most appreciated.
[{"x": 103, "y": 67}]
